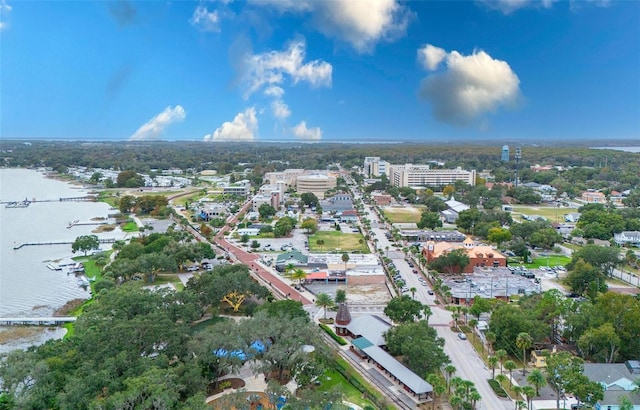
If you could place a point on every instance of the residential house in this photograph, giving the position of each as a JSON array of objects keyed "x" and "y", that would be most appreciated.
[
  {"x": 631, "y": 238},
  {"x": 618, "y": 380}
]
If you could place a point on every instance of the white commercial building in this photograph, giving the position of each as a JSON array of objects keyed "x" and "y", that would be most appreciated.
[
  {"x": 411, "y": 175},
  {"x": 375, "y": 167}
]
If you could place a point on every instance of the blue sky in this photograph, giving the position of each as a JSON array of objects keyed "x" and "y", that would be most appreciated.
[{"x": 311, "y": 70}]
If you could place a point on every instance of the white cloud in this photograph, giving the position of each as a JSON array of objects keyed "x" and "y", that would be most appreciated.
[
  {"x": 205, "y": 20},
  {"x": 242, "y": 128},
  {"x": 470, "y": 86},
  {"x": 4, "y": 9},
  {"x": 310, "y": 134},
  {"x": 280, "y": 109},
  {"x": 361, "y": 23},
  {"x": 270, "y": 68},
  {"x": 156, "y": 125},
  {"x": 274, "y": 91},
  {"x": 431, "y": 56},
  {"x": 509, "y": 6}
]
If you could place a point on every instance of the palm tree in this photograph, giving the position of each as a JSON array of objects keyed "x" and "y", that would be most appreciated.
[
  {"x": 426, "y": 312},
  {"x": 320, "y": 243},
  {"x": 510, "y": 365},
  {"x": 387, "y": 249},
  {"x": 493, "y": 362},
  {"x": 341, "y": 296},
  {"x": 501, "y": 354},
  {"x": 299, "y": 275},
  {"x": 473, "y": 323},
  {"x": 438, "y": 387},
  {"x": 449, "y": 370},
  {"x": 524, "y": 341},
  {"x": 345, "y": 259},
  {"x": 491, "y": 339},
  {"x": 456, "y": 401},
  {"x": 413, "y": 292},
  {"x": 537, "y": 379},
  {"x": 529, "y": 393},
  {"x": 289, "y": 268},
  {"x": 324, "y": 301},
  {"x": 516, "y": 392},
  {"x": 474, "y": 398}
]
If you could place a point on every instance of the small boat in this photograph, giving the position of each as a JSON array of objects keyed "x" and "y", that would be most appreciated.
[
  {"x": 53, "y": 266},
  {"x": 83, "y": 282}
]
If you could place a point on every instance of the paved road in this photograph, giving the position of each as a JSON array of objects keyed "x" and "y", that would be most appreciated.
[
  {"x": 468, "y": 364},
  {"x": 280, "y": 287}
]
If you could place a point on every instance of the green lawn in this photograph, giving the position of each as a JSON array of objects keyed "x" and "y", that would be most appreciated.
[
  {"x": 402, "y": 215},
  {"x": 337, "y": 241},
  {"x": 130, "y": 226},
  {"x": 551, "y": 260},
  {"x": 551, "y": 213},
  {"x": 332, "y": 379}
]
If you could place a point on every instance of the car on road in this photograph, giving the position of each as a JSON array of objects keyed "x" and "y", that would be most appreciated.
[
  {"x": 462, "y": 336},
  {"x": 429, "y": 291}
]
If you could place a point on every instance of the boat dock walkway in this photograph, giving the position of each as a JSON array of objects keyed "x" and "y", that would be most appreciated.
[
  {"x": 20, "y": 245},
  {"x": 37, "y": 321},
  {"x": 25, "y": 203},
  {"x": 71, "y": 224}
]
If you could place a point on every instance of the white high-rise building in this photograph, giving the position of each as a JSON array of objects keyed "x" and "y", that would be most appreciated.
[
  {"x": 375, "y": 167},
  {"x": 411, "y": 175}
]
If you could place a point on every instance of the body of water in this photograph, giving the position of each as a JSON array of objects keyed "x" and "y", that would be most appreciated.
[
  {"x": 627, "y": 149},
  {"x": 27, "y": 286}
]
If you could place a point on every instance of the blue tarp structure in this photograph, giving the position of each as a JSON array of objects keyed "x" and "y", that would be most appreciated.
[{"x": 257, "y": 347}]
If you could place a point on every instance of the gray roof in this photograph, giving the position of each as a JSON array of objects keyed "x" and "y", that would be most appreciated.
[
  {"x": 612, "y": 397},
  {"x": 371, "y": 327},
  {"x": 607, "y": 373},
  {"x": 397, "y": 369}
]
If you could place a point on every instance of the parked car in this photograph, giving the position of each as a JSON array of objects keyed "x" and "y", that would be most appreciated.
[
  {"x": 462, "y": 336},
  {"x": 429, "y": 291}
]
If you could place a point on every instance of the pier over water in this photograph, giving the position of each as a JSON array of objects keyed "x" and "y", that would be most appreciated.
[{"x": 37, "y": 321}]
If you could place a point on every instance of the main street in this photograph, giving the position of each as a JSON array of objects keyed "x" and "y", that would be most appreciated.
[{"x": 463, "y": 356}]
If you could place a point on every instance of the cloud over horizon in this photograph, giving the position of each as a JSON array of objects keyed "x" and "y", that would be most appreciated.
[
  {"x": 467, "y": 87},
  {"x": 362, "y": 24},
  {"x": 153, "y": 128},
  {"x": 242, "y": 128},
  {"x": 301, "y": 132}
]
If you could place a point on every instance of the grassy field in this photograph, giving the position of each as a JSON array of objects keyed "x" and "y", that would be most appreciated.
[
  {"x": 336, "y": 240},
  {"x": 130, "y": 226},
  {"x": 551, "y": 213},
  {"x": 332, "y": 379},
  {"x": 551, "y": 260},
  {"x": 403, "y": 215}
]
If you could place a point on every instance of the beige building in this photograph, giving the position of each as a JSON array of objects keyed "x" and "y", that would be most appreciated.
[{"x": 316, "y": 184}]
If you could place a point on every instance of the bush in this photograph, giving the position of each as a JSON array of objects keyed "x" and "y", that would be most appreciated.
[
  {"x": 497, "y": 388},
  {"x": 334, "y": 336}
]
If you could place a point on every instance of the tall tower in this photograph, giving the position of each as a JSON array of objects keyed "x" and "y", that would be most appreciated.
[
  {"x": 518, "y": 156},
  {"x": 504, "y": 157}
]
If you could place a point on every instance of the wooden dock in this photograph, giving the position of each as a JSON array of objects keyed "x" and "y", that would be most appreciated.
[
  {"x": 25, "y": 203},
  {"x": 37, "y": 321},
  {"x": 20, "y": 245}
]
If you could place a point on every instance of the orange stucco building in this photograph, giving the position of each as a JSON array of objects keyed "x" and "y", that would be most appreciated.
[{"x": 479, "y": 255}]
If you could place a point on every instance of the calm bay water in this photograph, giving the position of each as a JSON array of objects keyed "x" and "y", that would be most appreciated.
[{"x": 27, "y": 286}]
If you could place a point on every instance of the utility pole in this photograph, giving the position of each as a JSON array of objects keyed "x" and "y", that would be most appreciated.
[{"x": 518, "y": 156}]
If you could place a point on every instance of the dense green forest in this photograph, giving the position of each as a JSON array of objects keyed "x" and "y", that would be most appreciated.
[{"x": 595, "y": 165}]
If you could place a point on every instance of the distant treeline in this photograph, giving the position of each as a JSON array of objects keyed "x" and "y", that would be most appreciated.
[{"x": 262, "y": 157}]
